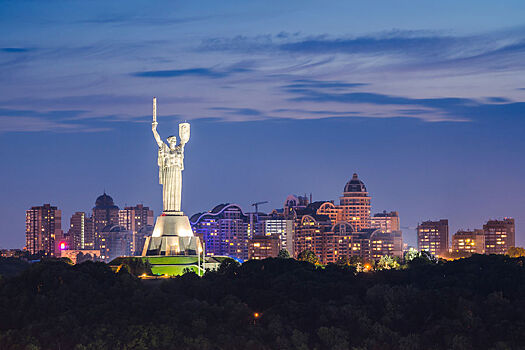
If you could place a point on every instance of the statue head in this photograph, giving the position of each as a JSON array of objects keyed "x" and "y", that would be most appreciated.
[
  {"x": 184, "y": 132},
  {"x": 172, "y": 141}
]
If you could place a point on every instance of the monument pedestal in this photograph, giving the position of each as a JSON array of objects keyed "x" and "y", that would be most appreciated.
[{"x": 172, "y": 236}]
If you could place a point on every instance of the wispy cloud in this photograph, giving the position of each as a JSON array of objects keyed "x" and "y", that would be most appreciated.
[
  {"x": 145, "y": 20},
  {"x": 240, "y": 114},
  {"x": 415, "y": 47},
  {"x": 194, "y": 72},
  {"x": 174, "y": 73},
  {"x": 374, "y": 98},
  {"x": 412, "y": 74},
  {"x": 57, "y": 114},
  {"x": 33, "y": 120},
  {"x": 396, "y": 43},
  {"x": 16, "y": 120},
  {"x": 91, "y": 101},
  {"x": 14, "y": 49},
  {"x": 323, "y": 112},
  {"x": 309, "y": 83},
  {"x": 447, "y": 108},
  {"x": 240, "y": 43},
  {"x": 239, "y": 111}
]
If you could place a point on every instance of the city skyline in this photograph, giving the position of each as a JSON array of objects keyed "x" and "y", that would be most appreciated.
[
  {"x": 337, "y": 213},
  {"x": 424, "y": 102}
]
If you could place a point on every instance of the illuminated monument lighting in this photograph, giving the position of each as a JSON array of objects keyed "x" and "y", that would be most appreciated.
[{"x": 172, "y": 234}]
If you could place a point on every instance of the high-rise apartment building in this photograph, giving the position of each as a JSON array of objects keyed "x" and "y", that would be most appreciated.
[
  {"x": 385, "y": 243},
  {"x": 333, "y": 231},
  {"x": 224, "y": 231},
  {"x": 499, "y": 235},
  {"x": 262, "y": 247},
  {"x": 283, "y": 229},
  {"x": 77, "y": 231},
  {"x": 105, "y": 213},
  {"x": 330, "y": 241},
  {"x": 43, "y": 224},
  {"x": 311, "y": 230},
  {"x": 328, "y": 230},
  {"x": 469, "y": 242},
  {"x": 134, "y": 218},
  {"x": 432, "y": 236},
  {"x": 355, "y": 204},
  {"x": 386, "y": 222},
  {"x": 334, "y": 212},
  {"x": 89, "y": 233},
  {"x": 369, "y": 244}
]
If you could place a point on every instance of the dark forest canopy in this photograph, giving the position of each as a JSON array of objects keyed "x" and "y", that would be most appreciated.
[{"x": 473, "y": 303}]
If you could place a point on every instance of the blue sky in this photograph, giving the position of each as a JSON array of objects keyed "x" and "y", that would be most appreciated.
[{"x": 424, "y": 100}]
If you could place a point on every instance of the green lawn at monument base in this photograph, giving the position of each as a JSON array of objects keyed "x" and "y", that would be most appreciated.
[
  {"x": 172, "y": 265},
  {"x": 173, "y": 270},
  {"x": 171, "y": 260}
]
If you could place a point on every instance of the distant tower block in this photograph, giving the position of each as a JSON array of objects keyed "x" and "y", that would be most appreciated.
[{"x": 355, "y": 204}]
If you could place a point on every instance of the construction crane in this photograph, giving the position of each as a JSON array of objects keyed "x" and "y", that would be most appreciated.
[{"x": 256, "y": 205}]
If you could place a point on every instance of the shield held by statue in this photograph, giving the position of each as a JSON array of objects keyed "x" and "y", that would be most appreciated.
[{"x": 184, "y": 132}]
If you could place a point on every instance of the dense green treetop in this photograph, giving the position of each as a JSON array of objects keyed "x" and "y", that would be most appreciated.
[{"x": 471, "y": 303}]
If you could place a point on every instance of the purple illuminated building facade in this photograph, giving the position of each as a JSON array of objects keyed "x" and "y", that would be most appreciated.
[{"x": 224, "y": 231}]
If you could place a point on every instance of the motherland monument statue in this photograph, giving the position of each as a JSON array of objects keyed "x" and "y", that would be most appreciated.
[{"x": 172, "y": 234}]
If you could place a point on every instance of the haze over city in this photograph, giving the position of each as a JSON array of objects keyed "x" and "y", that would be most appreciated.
[{"x": 424, "y": 102}]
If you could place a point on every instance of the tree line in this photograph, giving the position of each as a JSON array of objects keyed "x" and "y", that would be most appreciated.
[{"x": 277, "y": 303}]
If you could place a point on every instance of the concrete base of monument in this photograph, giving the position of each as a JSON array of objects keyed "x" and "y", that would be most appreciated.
[
  {"x": 172, "y": 236},
  {"x": 171, "y": 246},
  {"x": 172, "y": 224}
]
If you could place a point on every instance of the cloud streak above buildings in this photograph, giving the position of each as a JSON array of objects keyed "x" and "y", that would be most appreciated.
[{"x": 373, "y": 75}]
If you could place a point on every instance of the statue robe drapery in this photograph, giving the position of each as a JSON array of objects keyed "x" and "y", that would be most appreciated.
[{"x": 171, "y": 164}]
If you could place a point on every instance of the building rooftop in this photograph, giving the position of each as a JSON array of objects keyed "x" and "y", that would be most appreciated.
[
  {"x": 384, "y": 214},
  {"x": 311, "y": 209},
  {"x": 105, "y": 202},
  {"x": 216, "y": 211},
  {"x": 355, "y": 185}
]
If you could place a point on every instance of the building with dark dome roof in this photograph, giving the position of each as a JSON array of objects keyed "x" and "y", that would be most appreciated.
[
  {"x": 355, "y": 185},
  {"x": 105, "y": 213},
  {"x": 355, "y": 204},
  {"x": 334, "y": 231},
  {"x": 105, "y": 201}
]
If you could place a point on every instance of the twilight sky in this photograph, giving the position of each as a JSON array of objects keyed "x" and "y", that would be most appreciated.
[{"x": 425, "y": 100}]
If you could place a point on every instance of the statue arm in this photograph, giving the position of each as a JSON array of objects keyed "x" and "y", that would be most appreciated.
[{"x": 156, "y": 135}]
